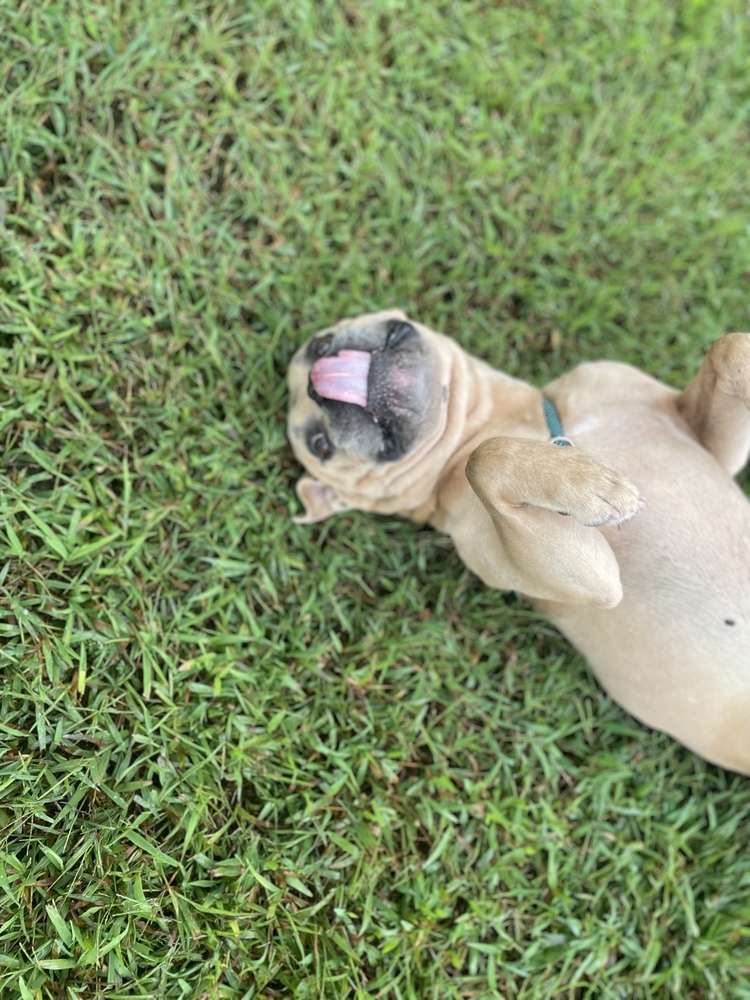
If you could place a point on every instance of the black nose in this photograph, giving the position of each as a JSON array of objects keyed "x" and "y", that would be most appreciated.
[{"x": 397, "y": 331}]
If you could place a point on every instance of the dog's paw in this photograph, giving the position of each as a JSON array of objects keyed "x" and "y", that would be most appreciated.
[
  {"x": 600, "y": 496},
  {"x": 732, "y": 365},
  {"x": 510, "y": 474}
]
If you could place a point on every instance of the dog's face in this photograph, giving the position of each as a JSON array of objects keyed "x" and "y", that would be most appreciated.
[{"x": 365, "y": 398}]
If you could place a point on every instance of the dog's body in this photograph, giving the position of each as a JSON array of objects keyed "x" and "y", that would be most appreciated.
[{"x": 648, "y": 575}]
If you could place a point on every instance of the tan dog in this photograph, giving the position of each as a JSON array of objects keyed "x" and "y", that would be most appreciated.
[{"x": 389, "y": 416}]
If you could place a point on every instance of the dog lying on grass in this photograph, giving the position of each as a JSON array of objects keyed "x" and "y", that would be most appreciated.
[{"x": 625, "y": 528}]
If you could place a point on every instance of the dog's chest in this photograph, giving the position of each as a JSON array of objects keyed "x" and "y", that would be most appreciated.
[{"x": 590, "y": 424}]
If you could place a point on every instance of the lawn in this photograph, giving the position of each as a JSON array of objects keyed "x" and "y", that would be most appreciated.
[{"x": 242, "y": 758}]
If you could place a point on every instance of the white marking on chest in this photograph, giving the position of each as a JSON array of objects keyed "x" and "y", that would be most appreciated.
[{"x": 585, "y": 425}]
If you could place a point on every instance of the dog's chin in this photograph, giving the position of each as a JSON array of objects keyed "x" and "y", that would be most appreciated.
[{"x": 383, "y": 436}]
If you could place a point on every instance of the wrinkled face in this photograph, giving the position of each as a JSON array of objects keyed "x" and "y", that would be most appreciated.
[{"x": 364, "y": 395}]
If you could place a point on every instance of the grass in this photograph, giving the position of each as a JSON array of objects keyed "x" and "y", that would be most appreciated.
[{"x": 246, "y": 759}]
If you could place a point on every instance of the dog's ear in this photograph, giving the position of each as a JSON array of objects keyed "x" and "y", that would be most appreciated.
[{"x": 319, "y": 500}]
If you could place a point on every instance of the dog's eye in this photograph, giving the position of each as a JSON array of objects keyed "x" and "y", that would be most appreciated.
[
  {"x": 320, "y": 346},
  {"x": 319, "y": 444}
]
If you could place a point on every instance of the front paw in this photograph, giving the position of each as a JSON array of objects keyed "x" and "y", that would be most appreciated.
[
  {"x": 597, "y": 495},
  {"x": 510, "y": 474}
]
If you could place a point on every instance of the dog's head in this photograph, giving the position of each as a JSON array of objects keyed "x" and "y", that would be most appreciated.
[{"x": 368, "y": 396}]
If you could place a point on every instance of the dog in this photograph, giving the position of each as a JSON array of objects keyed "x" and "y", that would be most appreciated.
[{"x": 607, "y": 499}]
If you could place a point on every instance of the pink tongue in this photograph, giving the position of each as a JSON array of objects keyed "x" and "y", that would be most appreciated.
[{"x": 342, "y": 377}]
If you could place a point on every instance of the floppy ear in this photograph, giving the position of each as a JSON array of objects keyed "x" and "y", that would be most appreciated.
[{"x": 319, "y": 500}]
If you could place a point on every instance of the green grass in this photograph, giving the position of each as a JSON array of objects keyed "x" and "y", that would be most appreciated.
[{"x": 247, "y": 759}]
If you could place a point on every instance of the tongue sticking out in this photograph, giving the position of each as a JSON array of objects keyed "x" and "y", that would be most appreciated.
[{"x": 342, "y": 377}]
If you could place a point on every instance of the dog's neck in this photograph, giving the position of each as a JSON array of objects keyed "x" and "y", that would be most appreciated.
[{"x": 482, "y": 403}]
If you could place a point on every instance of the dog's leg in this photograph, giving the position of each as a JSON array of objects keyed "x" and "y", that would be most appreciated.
[
  {"x": 527, "y": 487},
  {"x": 716, "y": 405}
]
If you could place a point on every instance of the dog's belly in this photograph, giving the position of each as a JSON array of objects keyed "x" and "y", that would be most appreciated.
[{"x": 676, "y": 651}]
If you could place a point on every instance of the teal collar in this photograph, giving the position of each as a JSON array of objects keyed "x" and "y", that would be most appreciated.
[{"x": 554, "y": 424}]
